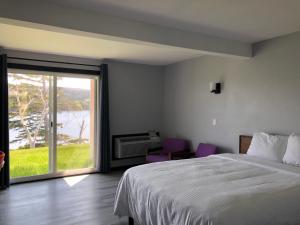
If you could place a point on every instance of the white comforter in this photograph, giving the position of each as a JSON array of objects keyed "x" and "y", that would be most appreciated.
[{"x": 224, "y": 189}]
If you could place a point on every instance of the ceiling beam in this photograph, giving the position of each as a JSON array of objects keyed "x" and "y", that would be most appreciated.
[{"x": 116, "y": 28}]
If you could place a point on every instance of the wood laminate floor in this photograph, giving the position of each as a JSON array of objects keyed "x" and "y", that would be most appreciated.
[{"x": 84, "y": 200}]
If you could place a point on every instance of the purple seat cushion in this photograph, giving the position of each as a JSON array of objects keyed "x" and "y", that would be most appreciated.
[
  {"x": 205, "y": 150},
  {"x": 157, "y": 158}
]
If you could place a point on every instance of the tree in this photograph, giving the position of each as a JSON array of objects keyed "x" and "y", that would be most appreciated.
[{"x": 29, "y": 107}]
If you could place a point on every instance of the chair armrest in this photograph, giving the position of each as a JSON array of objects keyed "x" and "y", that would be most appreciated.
[{"x": 153, "y": 150}]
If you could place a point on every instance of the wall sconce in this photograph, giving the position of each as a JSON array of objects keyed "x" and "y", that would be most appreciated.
[{"x": 215, "y": 87}]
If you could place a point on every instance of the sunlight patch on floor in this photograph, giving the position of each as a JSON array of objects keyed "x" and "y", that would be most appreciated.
[{"x": 71, "y": 181}]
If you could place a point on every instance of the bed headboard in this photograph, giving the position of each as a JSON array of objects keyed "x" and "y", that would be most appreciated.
[{"x": 245, "y": 142}]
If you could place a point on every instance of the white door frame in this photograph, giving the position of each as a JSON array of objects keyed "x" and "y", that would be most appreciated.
[{"x": 52, "y": 172}]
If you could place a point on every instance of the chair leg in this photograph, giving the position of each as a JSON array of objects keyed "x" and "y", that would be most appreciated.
[{"x": 130, "y": 221}]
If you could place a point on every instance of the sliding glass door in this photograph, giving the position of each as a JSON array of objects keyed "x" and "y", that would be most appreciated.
[
  {"x": 29, "y": 124},
  {"x": 75, "y": 123},
  {"x": 52, "y": 119}
]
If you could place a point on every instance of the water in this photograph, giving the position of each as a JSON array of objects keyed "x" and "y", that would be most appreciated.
[{"x": 68, "y": 123}]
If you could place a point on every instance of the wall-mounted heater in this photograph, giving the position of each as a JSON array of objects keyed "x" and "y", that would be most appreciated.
[{"x": 134, "y": 145}]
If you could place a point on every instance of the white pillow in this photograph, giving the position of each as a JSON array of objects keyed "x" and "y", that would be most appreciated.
[
  {"x": 292, "y": 154},
  {"x": 267, "y": 146}
]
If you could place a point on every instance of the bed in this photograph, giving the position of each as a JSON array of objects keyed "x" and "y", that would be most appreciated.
[{"x": 225, "y": 189}]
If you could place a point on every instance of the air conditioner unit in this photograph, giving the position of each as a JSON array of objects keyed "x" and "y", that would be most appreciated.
[{"x": 134, "y": 146}]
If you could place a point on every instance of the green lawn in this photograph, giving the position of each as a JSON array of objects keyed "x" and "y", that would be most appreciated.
[{"x": 30, "y": 162}]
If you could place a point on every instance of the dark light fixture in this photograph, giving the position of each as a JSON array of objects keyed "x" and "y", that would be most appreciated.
[{"x": 215, "y": 87}]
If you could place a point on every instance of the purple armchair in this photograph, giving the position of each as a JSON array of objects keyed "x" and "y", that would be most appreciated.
[
  {"x": 171, "y": 147},
  {"x": 204, "y": 150}
]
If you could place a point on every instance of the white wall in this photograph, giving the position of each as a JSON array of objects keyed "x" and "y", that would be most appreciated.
[
  {"x": 260, "y": 94},
  {"x": 62, "y": 18}
]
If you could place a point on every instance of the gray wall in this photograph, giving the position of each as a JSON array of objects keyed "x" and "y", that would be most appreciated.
[
  {"x": 259, "y": 94},
  {"x": 135, "y": 100},
  {"x": 135, "y": 92}
]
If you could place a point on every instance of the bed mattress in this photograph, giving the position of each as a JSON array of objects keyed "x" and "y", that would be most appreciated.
[{"x": 224, "y": 189}]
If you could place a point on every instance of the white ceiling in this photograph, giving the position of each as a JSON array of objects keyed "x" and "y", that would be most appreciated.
[
  {"x": 243, "y": 20},
  {"x": 82, "y": 45}
]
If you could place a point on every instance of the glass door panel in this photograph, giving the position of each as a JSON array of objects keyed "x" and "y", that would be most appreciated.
[
  {"x": 52, "y": 124},
  {"x": 29, "y": 124},
  {"x": 75, "y": 123}
]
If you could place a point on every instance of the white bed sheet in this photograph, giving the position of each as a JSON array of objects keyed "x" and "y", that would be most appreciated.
[{"x": 224, "y": 189}]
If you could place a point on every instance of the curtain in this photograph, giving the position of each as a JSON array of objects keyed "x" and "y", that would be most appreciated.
[
  {"x": 104, "y": 126},
  {"x": 4, "y": 138}
]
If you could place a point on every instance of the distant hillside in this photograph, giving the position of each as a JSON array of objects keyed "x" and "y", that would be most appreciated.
[
  {"x": 72, "y": 99},
  {"x": 74, "y": 93}
]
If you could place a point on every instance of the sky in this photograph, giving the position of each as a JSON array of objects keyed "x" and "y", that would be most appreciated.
[
  {"x": 69, "y": 82},
  {"x": 81, "y": 83}
]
